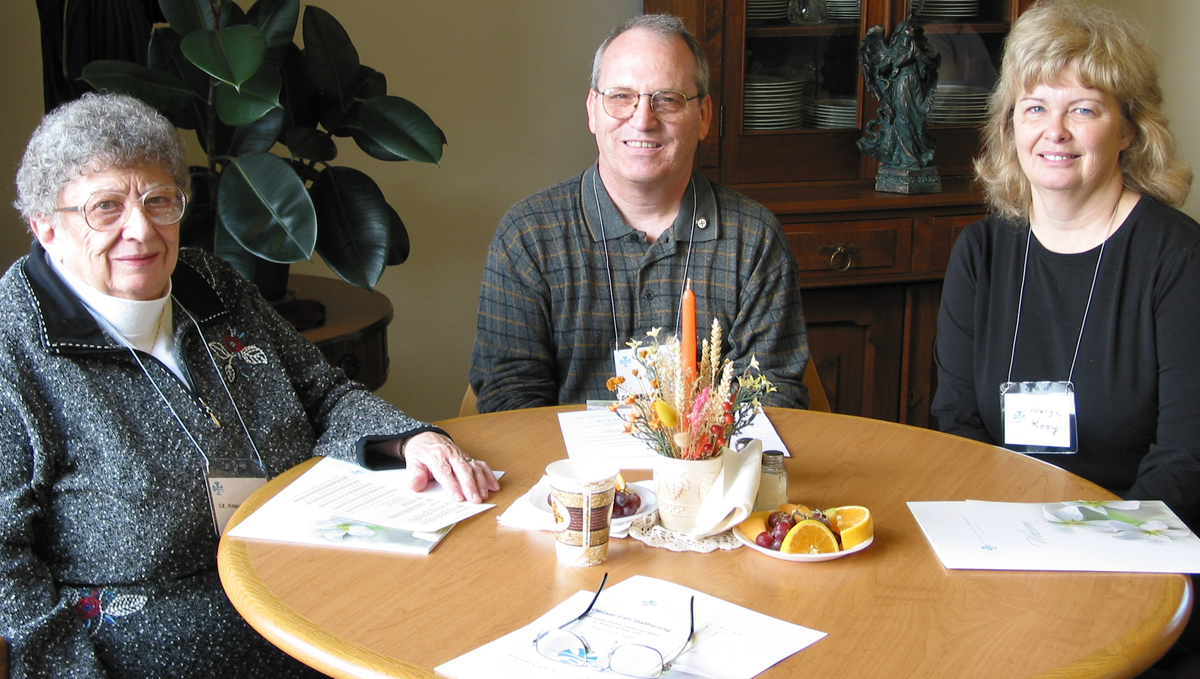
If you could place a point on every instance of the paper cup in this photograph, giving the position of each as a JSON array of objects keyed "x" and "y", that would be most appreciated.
[{"x": 581, "y": 496}]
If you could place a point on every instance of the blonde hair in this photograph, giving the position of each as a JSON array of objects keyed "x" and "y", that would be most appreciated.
[{"x": 1106, "y": 52}]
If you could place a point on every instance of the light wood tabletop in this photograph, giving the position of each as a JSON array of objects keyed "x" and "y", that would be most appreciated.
[{"x": 891, "y": 610}]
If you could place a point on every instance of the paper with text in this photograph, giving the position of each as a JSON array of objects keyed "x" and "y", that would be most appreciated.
[
  {"x": 1111, "y": 536},
  {"x": 343, "y": 504},
  {"x": 732, "y": 642}
]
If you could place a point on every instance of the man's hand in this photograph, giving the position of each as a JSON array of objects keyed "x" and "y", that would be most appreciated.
[{"x": 431, "y": 456}]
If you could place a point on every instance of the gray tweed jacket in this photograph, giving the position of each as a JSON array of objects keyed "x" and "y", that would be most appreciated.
[{"x": 107, "y": 548}]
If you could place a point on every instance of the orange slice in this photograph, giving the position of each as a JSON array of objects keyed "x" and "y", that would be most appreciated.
[
  {"x": 620, "y": 483},
  {"x": 753, "y": 525},
  {"x": 809, "y": 537},
  {"x": 854, "y": 524}
]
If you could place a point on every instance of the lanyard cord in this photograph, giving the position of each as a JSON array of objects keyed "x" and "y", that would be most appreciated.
[
  {"x": 165, "y": 400},
  {"x": 1092, "y": 291},
  {"x": 687, "y": 262}
]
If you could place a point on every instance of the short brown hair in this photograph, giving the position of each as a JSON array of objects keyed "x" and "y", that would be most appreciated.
[{"x": 1107, "y": 53}]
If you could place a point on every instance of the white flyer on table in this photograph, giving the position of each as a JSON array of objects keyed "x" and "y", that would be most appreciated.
[
  {"x": 1105, "y": 536},
  {"x": 341, "y": 503},
  {"x": 599, "y": 434},
  {"x": 731, "y": 642}
]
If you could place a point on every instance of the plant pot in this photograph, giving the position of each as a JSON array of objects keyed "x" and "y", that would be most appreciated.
[{"x": 681, "y": 486}]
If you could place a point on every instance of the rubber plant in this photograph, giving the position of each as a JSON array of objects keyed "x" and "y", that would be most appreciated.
[{"x": 267, "y": 114}]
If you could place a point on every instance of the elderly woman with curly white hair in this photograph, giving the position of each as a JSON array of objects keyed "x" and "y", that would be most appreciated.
[{"x": 116, "y": 413}]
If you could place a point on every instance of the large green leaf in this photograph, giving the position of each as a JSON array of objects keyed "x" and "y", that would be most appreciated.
[
  {"x": 402, "y": 128},
  {"x": 300, "y": 98},
  {"x": 164, "y": 55},
  {"x": 188, "y": 16},
  {"x": 230, "y": 55},
  {"x": 264, "y": 205},
  {"x": 259, "y": 135},
  {"x": 355, "y": 225},
  {"x": 399, "y": 249},
  {"x": 267, "y": 276},
  {"x": 371, "y": 83},
  {"x": 277, "y": 20},
  {"x": 257, "y": 96},
  {"x": 309, "y": 144},
  {"x": 374, "y": 150},
  {"x": 329, "y": 54},
  {"x": 161, "y": 90}
]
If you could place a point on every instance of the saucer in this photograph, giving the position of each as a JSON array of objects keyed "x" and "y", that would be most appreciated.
[{"x": 804, "y": 557}]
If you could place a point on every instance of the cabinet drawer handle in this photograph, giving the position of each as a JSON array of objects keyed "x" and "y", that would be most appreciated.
[{"x": 847, "y": 251}]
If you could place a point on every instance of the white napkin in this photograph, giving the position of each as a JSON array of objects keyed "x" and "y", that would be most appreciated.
[
  {"x": 524, "y": 515},
  {"x": 731, "y": 498}
]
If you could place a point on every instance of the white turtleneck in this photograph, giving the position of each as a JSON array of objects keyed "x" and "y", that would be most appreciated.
[{"x": 146, "y": 325}]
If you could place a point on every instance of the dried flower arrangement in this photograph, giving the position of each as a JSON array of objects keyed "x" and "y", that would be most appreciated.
[{"x": 685, "y": 412}]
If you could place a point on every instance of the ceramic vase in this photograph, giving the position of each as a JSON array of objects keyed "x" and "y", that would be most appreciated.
[{"x": 681, "y": 486}]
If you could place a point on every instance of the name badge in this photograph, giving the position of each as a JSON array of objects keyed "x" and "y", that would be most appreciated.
[
  {"x": 625, "y": 364},
  {"x": 1039, "y": 417},
  {"x": 230, "y": 483}
]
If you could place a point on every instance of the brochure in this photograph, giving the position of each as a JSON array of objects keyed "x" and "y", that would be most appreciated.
[
  {"x": 731, "y": 642},
  {"x": 1139, "y": 536},
  {"x": 338, "y": 503},
  {"x": 599, "y": 434}
]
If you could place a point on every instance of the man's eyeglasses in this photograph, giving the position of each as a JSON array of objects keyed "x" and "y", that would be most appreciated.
[
  {"x": 108, "y": 210},
  {"x": 632, "y": 660},
  {"x": 667, "y": 105}
]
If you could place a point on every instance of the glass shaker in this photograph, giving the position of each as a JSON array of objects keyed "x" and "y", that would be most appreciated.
[{"x": 773, "y": 484}]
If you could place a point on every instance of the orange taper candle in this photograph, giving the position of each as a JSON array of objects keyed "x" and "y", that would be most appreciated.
[{"x": 687, "y": 338}]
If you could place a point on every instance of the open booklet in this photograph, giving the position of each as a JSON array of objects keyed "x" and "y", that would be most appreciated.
[
  {"x": 1138, "y": 536},
  {"x": 731, "y": 642},
  {"x": 338, "y": 503}
]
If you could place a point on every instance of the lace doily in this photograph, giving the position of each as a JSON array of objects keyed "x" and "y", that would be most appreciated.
[{"x": 646, "y": 529}]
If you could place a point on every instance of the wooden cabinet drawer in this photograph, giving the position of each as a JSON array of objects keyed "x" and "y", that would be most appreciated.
[
  {"x": 946, "y": 230},
  {"x": 851, "y": 249}
]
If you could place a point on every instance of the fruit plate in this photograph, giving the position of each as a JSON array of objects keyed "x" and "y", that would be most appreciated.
[
  {"x": 804, "y": 557},
  {"x": 541, "y": 492}
]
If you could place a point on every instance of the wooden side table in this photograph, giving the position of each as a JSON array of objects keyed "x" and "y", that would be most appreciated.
[{"x": 354, "y": 335}]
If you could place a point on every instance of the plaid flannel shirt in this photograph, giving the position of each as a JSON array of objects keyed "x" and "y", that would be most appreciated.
[{"x": 549, "y": 319}]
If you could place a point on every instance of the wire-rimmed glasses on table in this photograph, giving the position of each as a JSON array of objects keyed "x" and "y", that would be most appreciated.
[{"x": 631, "y": 660}]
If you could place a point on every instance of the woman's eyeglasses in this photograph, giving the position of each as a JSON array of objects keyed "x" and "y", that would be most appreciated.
[
  {"x": 108, "y": 210},
  {"x": 632, "y": 660}
]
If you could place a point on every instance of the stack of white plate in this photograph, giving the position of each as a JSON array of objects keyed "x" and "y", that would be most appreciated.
[
  {"x": 773, "y": 102},
  {"x": 843, "y": 10},
  {"x": 764, "y": 10},
  {"x": 830, "y": 112},
  {"x": 949, "y": 9},
  {"x": 959, "y": 104}
]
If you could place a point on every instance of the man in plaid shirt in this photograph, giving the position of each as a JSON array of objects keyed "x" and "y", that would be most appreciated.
[{"x": 576, "y": 271}]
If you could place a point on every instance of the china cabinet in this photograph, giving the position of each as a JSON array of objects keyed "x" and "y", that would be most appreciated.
[{"x": 789, "y": 106}]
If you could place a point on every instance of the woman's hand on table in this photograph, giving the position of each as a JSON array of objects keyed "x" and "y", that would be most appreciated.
[{"x": 433, "y": 457}]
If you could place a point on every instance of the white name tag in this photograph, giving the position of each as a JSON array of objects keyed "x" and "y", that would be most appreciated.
[
  {"x": 625, "y": 364},
  {"x": 1039, "y": 417},
  {"x": 226, "y": 494}
]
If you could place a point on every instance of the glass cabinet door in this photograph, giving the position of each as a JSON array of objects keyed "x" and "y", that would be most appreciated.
[{"x": 794, "y": 93}]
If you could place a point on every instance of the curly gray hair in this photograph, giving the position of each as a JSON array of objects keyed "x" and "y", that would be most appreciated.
[
  {"x": 96, "y": 131},
  {"x": 665, "y": 27}
]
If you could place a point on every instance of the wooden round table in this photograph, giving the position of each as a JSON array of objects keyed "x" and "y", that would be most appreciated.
[{"x": 890, "y": 611}]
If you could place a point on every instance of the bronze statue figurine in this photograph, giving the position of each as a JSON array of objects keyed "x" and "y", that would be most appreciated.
[{"x": 902, "y": 73}]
